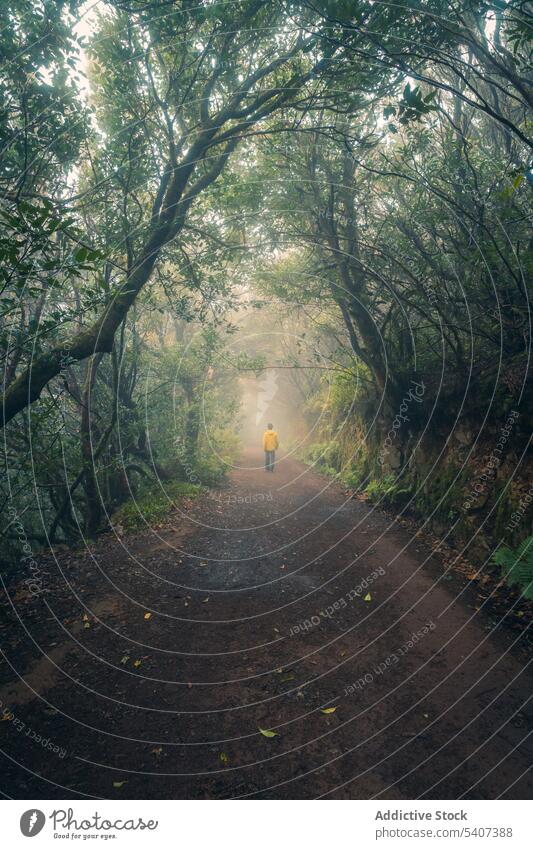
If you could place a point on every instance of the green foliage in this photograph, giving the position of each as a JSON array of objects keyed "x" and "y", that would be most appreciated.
[
  {"x": 216, "y": 455},
  {"x": 388, "y": 492},
  {"x": 323, "y": 456},
  {"x": 154, "y": 504},
  {"x": 352, "y": 477},
  {"x": 411, "y": 107},
  {"x": 517, "y": 566}
]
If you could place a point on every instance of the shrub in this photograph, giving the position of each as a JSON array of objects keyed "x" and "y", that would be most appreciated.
[
  {"x": 153, "y": 504},
  {"x": 387, "y": 492},
  {"x": 517, "y": 565}
]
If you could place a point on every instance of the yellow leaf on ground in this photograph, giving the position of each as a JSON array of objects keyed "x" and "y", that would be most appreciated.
[
  {"x": 328, "y": 710},
  {"x": 118, "y": 784},
  {"x": 368, "y": 597},
  {"x": 268, "y": 733},
  {"x": 223, "y": 757},
  {"x": 147, "y": 615},
  {"x": 137, "y": 663}
]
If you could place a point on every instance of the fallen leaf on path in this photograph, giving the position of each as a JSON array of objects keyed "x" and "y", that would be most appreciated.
[
  {"x": 124, "y": 659},
  {"x": 118, "y": 784},
  {"x": 328, "y": 710},
  {"x": 157, "y": 751},
  {"x": 137, "y": 663},
  {"x": 368, "y": 597},
  {"x": 147, "y": 615},
  {"x": 224, "y": 758},
  {"x": 266, "y": 733}
]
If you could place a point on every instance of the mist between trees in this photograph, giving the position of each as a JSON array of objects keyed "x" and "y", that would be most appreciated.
[{"x": 194, "y": 194}]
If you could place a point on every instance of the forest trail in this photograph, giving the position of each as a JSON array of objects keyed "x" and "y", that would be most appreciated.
[{"x": 259, "y": 606}]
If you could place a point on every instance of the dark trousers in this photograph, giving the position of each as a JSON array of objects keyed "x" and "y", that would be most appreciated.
[{"x": 270, "y": 457}]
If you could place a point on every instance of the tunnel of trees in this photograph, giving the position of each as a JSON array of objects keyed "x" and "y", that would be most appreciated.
[{"x": 176, "y": 177}]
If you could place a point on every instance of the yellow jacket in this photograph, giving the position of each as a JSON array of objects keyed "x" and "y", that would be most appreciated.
[{"x": 270, "y": 440}]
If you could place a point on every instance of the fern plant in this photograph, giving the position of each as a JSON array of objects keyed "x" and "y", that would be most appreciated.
[
  {"x": 517, "y": 565},
  {"x": 387, "y": 491}
]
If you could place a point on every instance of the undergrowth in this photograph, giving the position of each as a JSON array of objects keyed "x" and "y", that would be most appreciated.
[
  {"x": 153, "y": 504},
  {"x": 517, "y": 566}
]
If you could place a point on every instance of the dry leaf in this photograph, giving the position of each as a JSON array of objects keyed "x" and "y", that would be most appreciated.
[
  {"x": 147, "y": 615},
  {"x": 137, "y": 663},
  {"x": 118, "y": 784}
]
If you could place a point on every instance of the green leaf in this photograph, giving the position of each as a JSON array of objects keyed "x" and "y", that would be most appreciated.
[{"x": 266, "y": 733}]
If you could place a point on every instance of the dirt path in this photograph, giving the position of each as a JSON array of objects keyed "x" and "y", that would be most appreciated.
[{"x": 260, "y": 619}]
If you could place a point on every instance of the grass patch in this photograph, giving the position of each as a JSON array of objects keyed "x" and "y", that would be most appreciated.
[
  {"x": 387, "y": 492},
  {"x": 154, "y": 504}
]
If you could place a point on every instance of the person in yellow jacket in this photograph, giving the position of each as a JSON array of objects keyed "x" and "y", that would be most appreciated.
[{"x": 270, "y": 444}]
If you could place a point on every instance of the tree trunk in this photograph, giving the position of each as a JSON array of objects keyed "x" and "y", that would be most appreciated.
[{"x": 90, "y": 482}]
